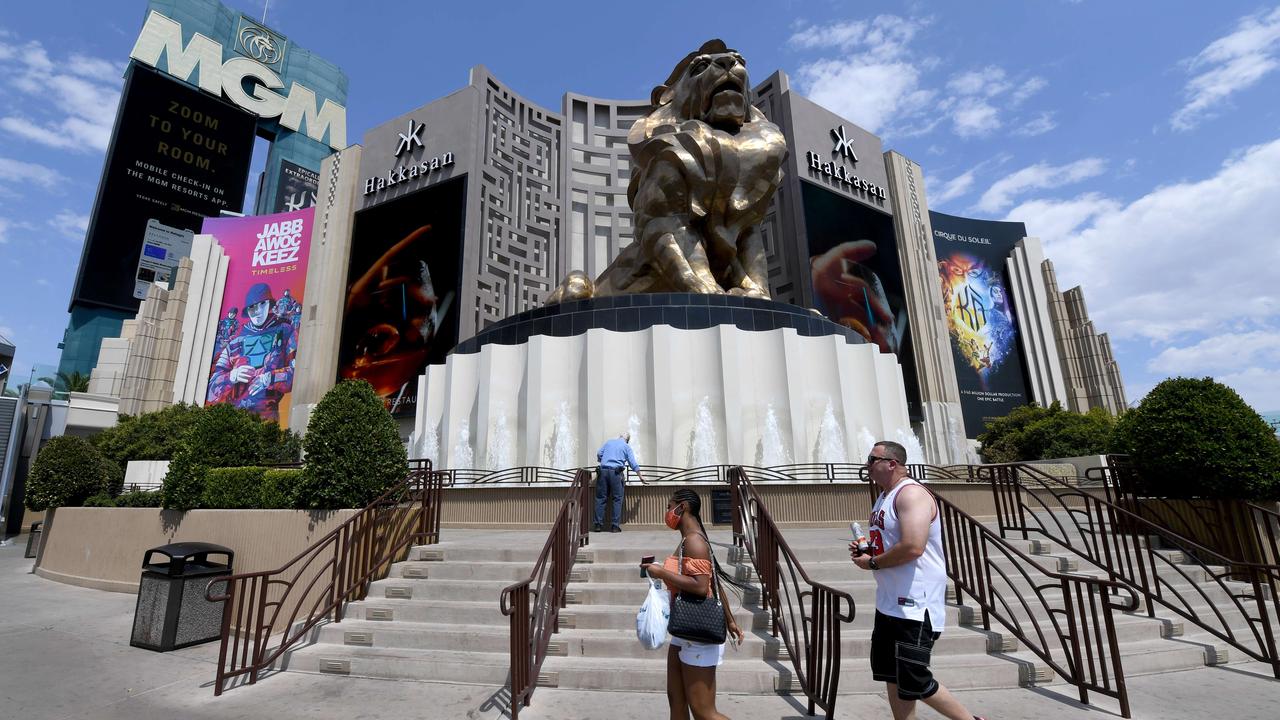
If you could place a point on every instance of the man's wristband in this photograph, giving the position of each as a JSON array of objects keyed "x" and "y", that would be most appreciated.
[{"x": 873, "y": 564}]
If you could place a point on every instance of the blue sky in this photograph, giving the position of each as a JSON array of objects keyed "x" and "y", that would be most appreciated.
[{"x": 1139, "y": 141}]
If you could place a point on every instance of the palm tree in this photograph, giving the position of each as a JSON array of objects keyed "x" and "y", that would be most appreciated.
[{"x": 68, "y": 382}]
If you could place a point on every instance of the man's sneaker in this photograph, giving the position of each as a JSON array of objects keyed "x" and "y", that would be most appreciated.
[
  {"x": 615, "y": 528},
  {"x": 597, "y": 528}
]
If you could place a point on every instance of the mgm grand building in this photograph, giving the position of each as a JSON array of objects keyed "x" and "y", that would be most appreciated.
[
  {"x": 783, "y": 294},
  {"x": 467, "y": 212}
]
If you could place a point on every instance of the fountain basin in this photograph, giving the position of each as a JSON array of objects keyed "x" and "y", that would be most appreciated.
[{"x": 691, "y": 376}]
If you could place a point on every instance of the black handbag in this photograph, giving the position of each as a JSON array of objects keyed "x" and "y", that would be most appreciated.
[{"x": 697, "y": 618}]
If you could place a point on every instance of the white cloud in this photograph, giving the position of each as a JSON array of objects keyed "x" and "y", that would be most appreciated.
[
  {"x": 1259, "y": 386},
  {"x": 1059, "y": 218},
  {"x": 70, "y": 224},
  {"x": 75, "y": 100},
  {"x": 875, "y": 82},
  {"x": 974, "y": 117},
  {"x": 884, "y": 37},
  {"x": 1195, "y": 259},
  {"x": 987, "y": 82},
  {"x": 869, "y": 94},
  {"x": 4, "y": 231},
  {"x": 951, "y": 189},
  {"x": 17, "y": 171},
  {"x": 1038, "y": 125},
  {"x": 1040, "y": 176},
  {"x": 1228, "y": 65},
  {"x": 1027, "y": 89},
  {"x": 872, "y": 75},
  {"x": 1225, "y": 353}
]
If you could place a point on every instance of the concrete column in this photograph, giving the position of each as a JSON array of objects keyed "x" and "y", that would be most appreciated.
[
  {"x": 324, "y": 302},
  {"x": 939, "y": 390},
  {"x": 1035, "y": 328}
]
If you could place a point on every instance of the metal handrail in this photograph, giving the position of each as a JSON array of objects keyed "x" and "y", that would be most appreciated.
[
  {"x": 534, "y": 604},
  {"x": 1068, "y": 621},
  {"x": 338, "y": 568},
  {"x": 810, "y": 631},
  {"x": 1236, "y": 528},
  {"x": 661, "y": 474},
  {"x": 1118, "y": 541}
]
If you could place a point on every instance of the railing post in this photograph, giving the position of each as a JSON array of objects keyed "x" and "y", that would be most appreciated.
[
  {"x": 220, "y": 677},
  {"x": 735, "y": 505}
]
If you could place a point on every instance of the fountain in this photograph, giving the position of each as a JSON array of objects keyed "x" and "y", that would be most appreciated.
[
  {"x": 773, "y": 447},
  {"x": 633, "y": 427},
  {"x": 703, "y": 446},
  {"x": 562, "y": 446},
  {"x": 500, "y": 450},
  {"x": 463, "y": 456},
  {"x": 866, "y": 441},
  {"x": 908, "y": 440},
  {"x": 830, "y": 447},
  {"x": 428, "y": 444}
]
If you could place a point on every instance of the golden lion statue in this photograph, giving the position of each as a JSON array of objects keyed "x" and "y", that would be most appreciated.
[{"x": 705, "y": 164}]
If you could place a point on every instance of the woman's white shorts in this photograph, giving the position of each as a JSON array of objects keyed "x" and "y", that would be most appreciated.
[{"x": 699, "y": 654}]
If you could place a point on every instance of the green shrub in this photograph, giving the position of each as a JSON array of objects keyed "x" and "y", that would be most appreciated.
[
  {"x": 277, "y": 489},
  {"x": 150, "y": 436},
  {"x": 1036, "y": 433},
  {"x": 353, "y": 450},
  {"x": 221, "y": 437},
  {"x": 1198, "y": 438},
  {"x": 139, "y": 499},
  {"x": 235, "y": 488},
  {"x": 67, "y": 471},
  {"x": 100, "y": 500}
]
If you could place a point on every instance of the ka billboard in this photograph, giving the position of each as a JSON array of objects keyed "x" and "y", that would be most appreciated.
[
  {"x": 981, "y": 318},
  {"x": 257, "y": 332},
  {"x": 177, "y": 156},
  {"x": 401, "y": 309}
]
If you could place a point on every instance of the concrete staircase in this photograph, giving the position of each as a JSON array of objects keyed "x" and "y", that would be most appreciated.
[
  {"x": 437, "y": 618},
  {"x": 1194, "y": 593}
]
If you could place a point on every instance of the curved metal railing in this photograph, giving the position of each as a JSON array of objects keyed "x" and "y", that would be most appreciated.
[
  {"x": 661, "y": 474},
  {"x": 265, "y": 613},
  {"x": 1066, "y": 620},
  {"x": 1200, "y": 584},
  {"x": 534, "y": 604},
  {"x": 805, "y": 613}
]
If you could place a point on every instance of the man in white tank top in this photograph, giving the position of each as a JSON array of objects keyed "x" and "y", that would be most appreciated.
[{"x": 911, "y": 580}]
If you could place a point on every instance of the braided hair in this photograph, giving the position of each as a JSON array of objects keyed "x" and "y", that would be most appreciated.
[{"x": 693, "y": 501}]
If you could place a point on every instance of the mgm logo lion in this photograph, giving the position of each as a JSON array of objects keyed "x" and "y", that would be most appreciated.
[{"x": 705, "y": 164}]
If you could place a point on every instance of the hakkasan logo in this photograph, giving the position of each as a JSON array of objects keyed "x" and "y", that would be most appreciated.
[
  {"x": 256, "y": 42},
  {"x": 409, "y": 142},
  {"x": 278, "y": 243}
]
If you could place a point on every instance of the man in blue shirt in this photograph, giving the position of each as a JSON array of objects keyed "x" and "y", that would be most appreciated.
[{"x": 614, "y": 456}]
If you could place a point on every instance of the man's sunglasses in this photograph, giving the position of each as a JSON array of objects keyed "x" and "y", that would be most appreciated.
[{"x": 872, "y": 460}]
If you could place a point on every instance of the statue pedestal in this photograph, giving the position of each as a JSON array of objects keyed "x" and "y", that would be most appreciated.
[{"x": 696, "y": 379}]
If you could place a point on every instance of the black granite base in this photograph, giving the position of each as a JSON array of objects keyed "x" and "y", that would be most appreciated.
[{"x": 631, "y": 313}]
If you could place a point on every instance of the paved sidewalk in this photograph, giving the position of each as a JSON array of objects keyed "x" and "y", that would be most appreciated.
[{"x": 64, "y": 653}]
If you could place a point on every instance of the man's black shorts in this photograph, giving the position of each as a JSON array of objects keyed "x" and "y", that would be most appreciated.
[{"x": 900, "y": 653}]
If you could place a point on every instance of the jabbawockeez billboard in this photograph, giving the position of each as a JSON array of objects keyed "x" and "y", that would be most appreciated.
[
  {"x": 980, "y": 315},
  {"x": 257, "y": 332}
]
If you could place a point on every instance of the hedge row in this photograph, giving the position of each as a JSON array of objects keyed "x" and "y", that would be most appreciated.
[{"x": 218, "y": 456}]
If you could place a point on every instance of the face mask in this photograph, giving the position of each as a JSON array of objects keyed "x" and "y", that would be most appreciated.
[{"x": 673, "y": 519}]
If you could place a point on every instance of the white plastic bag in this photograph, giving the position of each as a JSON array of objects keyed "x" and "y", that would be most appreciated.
[{"x": 651, "y": 621}]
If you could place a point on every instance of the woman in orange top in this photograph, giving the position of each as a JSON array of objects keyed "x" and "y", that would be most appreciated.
[{"x": 691, "y": 666}]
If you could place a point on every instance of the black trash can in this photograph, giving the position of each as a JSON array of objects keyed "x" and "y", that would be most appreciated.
[
  {"x": 172, "y": 611},
  {"x": 33, "y": 539},
  {"x": 721, "y": 507}
]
